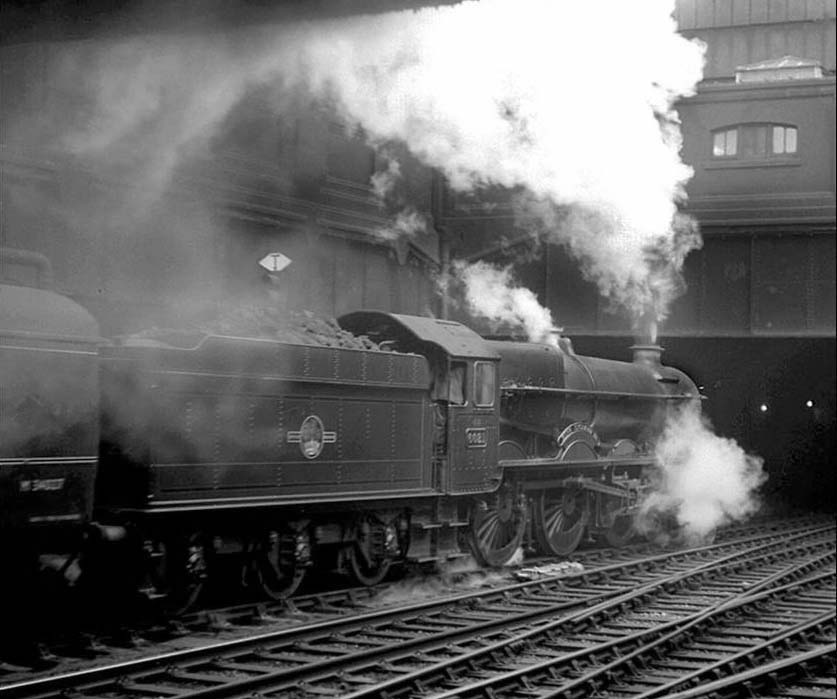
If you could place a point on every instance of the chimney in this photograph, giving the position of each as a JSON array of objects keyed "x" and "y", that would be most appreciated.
[
  {"x": 647, "y": 354},
  {"x": 645, "y": 347}
]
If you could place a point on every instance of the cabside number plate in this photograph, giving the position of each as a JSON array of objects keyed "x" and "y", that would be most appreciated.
[
  {"x": 476, "y": 438},
  {"x": 39, "y": 484}
]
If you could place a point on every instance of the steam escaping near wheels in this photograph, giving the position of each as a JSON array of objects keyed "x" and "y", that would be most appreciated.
[{"x": 701, "y": 481}]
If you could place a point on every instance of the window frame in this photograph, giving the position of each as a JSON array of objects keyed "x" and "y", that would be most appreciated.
[
  {"x": 455, "y": 365},
  {"x": 740, "y": 135},
  {"x": 476, "y": 392},
  {"x": 725, "y": 133}
]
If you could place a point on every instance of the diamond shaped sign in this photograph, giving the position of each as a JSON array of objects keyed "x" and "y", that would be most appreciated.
[{"x": 275, "y": 261}]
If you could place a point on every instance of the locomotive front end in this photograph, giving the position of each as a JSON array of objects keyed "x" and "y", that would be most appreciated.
[{"x": 579, "y": 433}]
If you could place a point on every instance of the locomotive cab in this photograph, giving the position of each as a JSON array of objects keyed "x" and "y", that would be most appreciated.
[{"x": 464, "y": 389}]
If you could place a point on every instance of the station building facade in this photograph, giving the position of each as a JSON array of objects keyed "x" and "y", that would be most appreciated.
[
  {"x": 760, "y": 135},
  {"x": 141, "y": 252}
]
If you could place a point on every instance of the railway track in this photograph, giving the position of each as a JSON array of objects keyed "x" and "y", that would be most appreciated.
[
  {"x": 71, "y": 652},
  {"x": 805, "y": 674},
  {"x": 526, "y": 658},
  {"x": 424, "y": 646},
  {"x": 653, "y": 660},
  {"x": 326, "y": 603}
]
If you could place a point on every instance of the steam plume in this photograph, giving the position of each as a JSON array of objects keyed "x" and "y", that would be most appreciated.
[
  {"x": 490, "y": 292},
  {"x": 383, "y": 181},
  {"x": 485, "y": 116},
  {"x": 564, "y": 100},
  {"x": 704, "y": 480},
  {"x": 407, "y": 223}
]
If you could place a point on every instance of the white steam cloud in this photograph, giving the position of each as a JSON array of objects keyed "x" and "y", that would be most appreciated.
[
  {"x": 406, "y": 224},
  {"x": 491, "y": 293},
  {"x": 641, "y": 274},
  {"x": 567, "y": 124},
  {"x": 702, "y": 479},
  {"x": 565, "y": 100},
  {"x": 383, "y": 181}
]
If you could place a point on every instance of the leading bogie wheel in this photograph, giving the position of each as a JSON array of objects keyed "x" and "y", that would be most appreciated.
[{"x": 618, "y": 521}]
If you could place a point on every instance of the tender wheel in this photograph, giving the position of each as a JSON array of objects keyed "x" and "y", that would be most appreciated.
[
  {"x": 363, "y": 570},
  {"x": 560, "y": 520},
  {"x": 371, "y": 554},
  {"x": 177, "y": 572},
  {"x": 280, "y": 560},
  {"x": 619, "y": 524},
  {"x": 497, "y": 526}
]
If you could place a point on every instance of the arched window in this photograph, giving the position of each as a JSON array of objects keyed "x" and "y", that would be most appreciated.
[{"x": 754, "y": 141}]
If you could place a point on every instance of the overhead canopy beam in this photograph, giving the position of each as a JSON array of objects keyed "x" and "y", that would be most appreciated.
[{"x": 67, "y": 20}]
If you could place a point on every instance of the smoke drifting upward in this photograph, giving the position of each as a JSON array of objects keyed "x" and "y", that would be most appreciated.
[
  {"x": 407, "y": 223},
  {"x": 383, "y": 181},
  {"x": 639, "y": 273},
  {"x": 568, "y": 125},
  {"x": 564, "y": 100},
  {"x": 704, "y": 480},
  {"x": 491, "y": 293}
]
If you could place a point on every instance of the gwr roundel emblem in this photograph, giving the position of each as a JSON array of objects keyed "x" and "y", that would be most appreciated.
[{"x": 311, "y": 437}]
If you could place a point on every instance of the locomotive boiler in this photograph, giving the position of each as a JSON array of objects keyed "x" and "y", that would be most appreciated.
[{"x": 426, "y": 443}]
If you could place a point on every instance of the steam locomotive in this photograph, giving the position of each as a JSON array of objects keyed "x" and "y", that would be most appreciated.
[{"x": 282, "y": 456}]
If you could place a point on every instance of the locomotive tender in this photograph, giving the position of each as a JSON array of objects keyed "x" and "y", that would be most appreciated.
[{"x": 282, "y": 456}]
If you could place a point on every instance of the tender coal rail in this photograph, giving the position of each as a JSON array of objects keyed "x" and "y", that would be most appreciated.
[{"x": 385, "y": 646}]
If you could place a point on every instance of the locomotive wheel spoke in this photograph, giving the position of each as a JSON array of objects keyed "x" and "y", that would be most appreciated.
[
  {"x": 276, "y": 564},
  {"x": 497, "y": 527},
  {"x": 560, "y": 520},
  {"x": 488, "y": 529}
]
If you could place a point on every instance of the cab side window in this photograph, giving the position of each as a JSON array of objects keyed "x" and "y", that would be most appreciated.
[
  {"x": 457, "y": 383},
  {"x": 484, "y": 384}
]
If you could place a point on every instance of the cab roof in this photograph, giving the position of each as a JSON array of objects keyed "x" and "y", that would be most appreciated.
[{"x": 453, "y": 338}]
